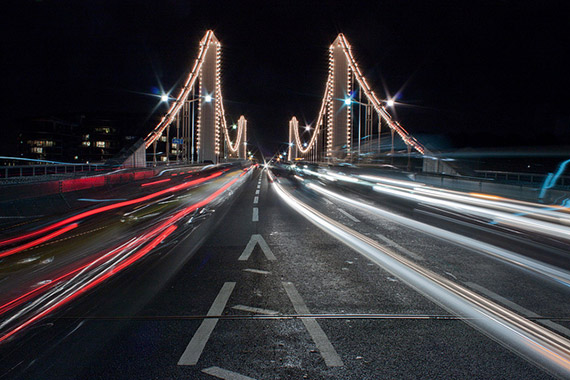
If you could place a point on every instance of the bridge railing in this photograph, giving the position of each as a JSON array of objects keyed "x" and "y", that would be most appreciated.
[
  {"x": 535, "y": 178},
  {"x": 40, "y": 170}
]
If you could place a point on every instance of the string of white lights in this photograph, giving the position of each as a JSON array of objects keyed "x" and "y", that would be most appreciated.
[
  {"x": 406, "y": 137},
  {"x": 184, "y": 93},
  {"x": 313, "y": 140}
]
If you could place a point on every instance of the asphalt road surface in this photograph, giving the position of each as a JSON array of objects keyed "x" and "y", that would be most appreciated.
[{"x": 270, "y": 294}]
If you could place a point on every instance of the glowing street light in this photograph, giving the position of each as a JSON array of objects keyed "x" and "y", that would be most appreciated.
[
  {"x": 164, "y": 98},
  {"x": 234, "y": 126},
  {"x": 208, "y": 98},
  {"x": 307, "y": 128},
  {"x": 390, "y": 103},
  {"x": 347, "y": 101}
]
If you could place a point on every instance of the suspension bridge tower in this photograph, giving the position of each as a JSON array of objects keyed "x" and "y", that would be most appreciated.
[
  {"x": 338, "y": 136},
  {"x": 209, "y": 108}
]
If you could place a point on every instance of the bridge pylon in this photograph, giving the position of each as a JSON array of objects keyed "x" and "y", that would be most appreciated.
[{"x": 198, "y": 116}]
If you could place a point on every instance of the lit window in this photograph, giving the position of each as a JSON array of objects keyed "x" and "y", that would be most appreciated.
[
  {"x": 101, "y": 144},
  {"x": 86, "y": 143},
  {"x": 36, "y": 149},
  {"x": 163, "y": 138}
]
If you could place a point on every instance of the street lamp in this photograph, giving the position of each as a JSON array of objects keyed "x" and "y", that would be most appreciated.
[
  {"x": 390, "y": 103},
  {"x": 208, "y": 98},
  {"x": 164, "y": 98}
]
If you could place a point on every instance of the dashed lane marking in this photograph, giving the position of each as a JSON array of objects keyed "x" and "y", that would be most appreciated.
[
  {"x": 518, "y": 308},
  {"x": 329, "y": 354},
  {"x": 348, "y": 215},
  {"x": 258, "y": 271},
  {"x": 194, "y": 349},
  {"x": 257, "y": 192},
  {"x": 255, "y": 310},
  {"x": 399, "y": 247},
  {"x": 255, "y": 216},
  {"x": 255, "y": 200},
  {"x": 257, "y": 239},
  {"x": 221, "y": 373}
]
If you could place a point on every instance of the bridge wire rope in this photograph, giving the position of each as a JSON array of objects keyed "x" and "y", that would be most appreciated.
[{"x": 187, "y": 89}]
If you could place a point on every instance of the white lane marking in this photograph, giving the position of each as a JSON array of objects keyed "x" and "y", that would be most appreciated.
[
  {"x": 258, "y": 185},
  {"x": 328, "y": 202},
  {"x": 329, "y": 354},
  {"x": 194, "y": 349},
  {"x": 255, "y": 215},
  {"x": 392, "y": 243},
  {"x": 221, "y": 373},
  {"x": 518, "y": 308},
  {"x": 348, "y": 215},
  {"x": 258, "y": 271},
  {"x": 256, "y": 310},
  {"x": 255, "y": 200},
  {"x": 257, "y": 192},
  {"x": 257, "y": 239}
]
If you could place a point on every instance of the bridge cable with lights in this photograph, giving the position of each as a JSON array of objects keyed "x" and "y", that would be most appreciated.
[
  {"x": 193, "y": 133},
  {"x": 334, "y": 133}
]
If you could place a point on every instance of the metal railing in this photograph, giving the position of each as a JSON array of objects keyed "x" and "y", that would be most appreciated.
[
  {"x": 41, "y": 170},
  {"x": 536, "y": 178}
]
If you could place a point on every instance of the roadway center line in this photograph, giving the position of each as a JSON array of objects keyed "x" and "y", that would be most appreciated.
[
  {"x": 257, "y": 192},
  {"x": 256, "y": 200},
  {"x": 518, "y": 308},
  {"x": 258, "y": 271},
  {"x": 194, "y": 349},
  {"x": 348, "y": 215},
  {"x": 255, "y": 216},
  {"x": 221, "y": 373},
  {"x": 399, "y": 247},
  {"x": 329, "y": 354},
  {"x": 255, "y": 310}
]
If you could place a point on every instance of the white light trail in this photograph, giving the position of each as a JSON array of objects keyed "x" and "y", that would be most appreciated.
[
  {"x": 520, "y": 261},
  {"x": 526, "y": 338}
]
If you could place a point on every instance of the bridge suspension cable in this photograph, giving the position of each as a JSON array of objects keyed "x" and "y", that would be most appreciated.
[
  {"x": 209, "y": 41},
  {"x": 327, "y": 110}
]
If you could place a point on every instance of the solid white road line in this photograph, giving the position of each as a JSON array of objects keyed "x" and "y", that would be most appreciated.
[
  {"x": 329, "y": 354},
  {"x": 257, "y": 239},
  {"x": 256, "y": 310},
  {"x": 200, "y": 338},
  {"x": 518, "y": 308},
  {"x": 348, "y": 215},
  {"x": 258, "y": 271},
  {"x": 255, "y": 215},
  {"x": 256, "y": 200},
  {"x": 221, "y": 373},
  {"x": 399, "y": 247}
]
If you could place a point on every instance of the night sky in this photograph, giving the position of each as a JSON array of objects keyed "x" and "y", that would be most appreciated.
[{"x": 475, "y": 73}]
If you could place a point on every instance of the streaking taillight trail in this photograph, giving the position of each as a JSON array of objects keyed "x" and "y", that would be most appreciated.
[{"x": 79, "y": 280}]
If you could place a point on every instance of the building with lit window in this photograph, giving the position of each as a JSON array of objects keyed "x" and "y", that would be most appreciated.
[{"x": 79, "y": 137}]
